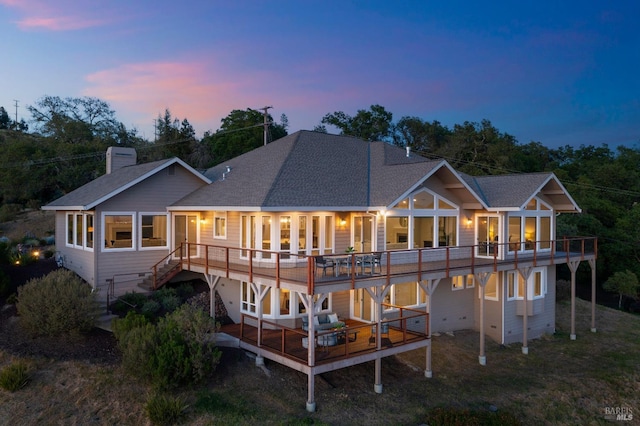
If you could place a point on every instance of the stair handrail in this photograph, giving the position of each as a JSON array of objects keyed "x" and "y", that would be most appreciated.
[{"x": 165, "y": 260}]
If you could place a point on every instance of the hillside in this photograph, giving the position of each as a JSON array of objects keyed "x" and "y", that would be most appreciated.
[
  {"x": 30, "y": 223},
  {"x": 560, "y": 382}
]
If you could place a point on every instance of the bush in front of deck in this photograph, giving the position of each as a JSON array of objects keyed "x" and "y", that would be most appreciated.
[
  {"x": 56, "y": 304},
  {"x": 179, "y": 349}
]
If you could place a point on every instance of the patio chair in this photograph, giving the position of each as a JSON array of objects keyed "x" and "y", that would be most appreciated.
[
  {"x": 372, "y": 261},
  {"x": 324, "y": 263}
]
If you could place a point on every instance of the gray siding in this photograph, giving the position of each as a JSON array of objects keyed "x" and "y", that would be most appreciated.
[
  {"x": 81, "y": 261},
  {"x": 537, "y": 324},
  {"x": 452, "y": 309},
  {"x": 153, "y": 194}
]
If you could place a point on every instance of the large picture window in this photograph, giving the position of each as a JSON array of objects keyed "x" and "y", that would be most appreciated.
[
  {"x": 424, "y": 219},
  {"x": 118, "y": 231},
  {"x": 531, "y": 229},
  {"x": 153, "y": 230}
]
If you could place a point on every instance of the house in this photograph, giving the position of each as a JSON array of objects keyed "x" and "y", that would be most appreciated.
[{"x": 384, "y": 245}]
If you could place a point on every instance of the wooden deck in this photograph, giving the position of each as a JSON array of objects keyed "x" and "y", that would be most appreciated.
[
  {"x": 395, "y": 266},
  {"x": 356, "y": 339}
]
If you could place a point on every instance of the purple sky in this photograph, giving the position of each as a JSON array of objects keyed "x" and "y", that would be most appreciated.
[{"x": 560, "y": 73}]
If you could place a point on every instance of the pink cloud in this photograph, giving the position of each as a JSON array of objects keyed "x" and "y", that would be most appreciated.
[
  {"x": 188, "y": 90},
  {"x": 65, "y": 16}
]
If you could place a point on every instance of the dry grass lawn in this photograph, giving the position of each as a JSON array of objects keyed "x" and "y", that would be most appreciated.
[{"x": 559, "y": 382}]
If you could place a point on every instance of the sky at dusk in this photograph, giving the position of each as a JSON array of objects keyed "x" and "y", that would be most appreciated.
[{"x": 556, "y": 72}]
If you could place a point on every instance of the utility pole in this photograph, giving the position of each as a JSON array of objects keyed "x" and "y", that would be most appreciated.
[
  {"x": 16, "y": 104},
  {"x": 266, "y": 125}
]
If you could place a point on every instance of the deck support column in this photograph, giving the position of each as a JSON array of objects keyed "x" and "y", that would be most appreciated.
[
  {"x": 573, "y": 266},
  {"x": 525, "y": 273},
  {"x": 429, "y": 287},
  {"x": 311, "y": 383},
  {"x": 592, "y": 264},
  {"x": 377, "y": 386},
  {"x": 212, "y": 282},
  {"x": 377, "y": 295},
  {"x": 482, "y": 278}
]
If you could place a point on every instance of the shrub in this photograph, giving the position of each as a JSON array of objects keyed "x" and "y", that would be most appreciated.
[
  {"x": 150, "y": 308},
  {"x": 185, "y": 291},
  {"x": 167, "y": 298},
  {"x": 165, "y": 410},
  {"x": 124, "y": 325},
  {"x": 14, "y": 376},
  {"x": 58, "y": 303},
  {"x": 177, "y": 350}
]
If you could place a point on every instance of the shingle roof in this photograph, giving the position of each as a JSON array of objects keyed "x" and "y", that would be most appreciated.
[
  {"x": 515, "y": 190},
  {"x": 106, "y": 186},
  {"x": 312, "y": 170}
]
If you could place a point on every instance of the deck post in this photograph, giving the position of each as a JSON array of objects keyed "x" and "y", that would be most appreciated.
[
  {"x": 311, "y": 382},
  {"x": 592, "y": 264},
  {"x": 573, "y": 266},
  {"x": 482, "y": 278},
  {"x": 525, "y": 273},
  {"x": 429, "y": 287}
]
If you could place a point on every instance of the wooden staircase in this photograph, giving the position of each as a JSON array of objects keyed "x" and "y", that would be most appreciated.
[{"x": 162, "y": 276}]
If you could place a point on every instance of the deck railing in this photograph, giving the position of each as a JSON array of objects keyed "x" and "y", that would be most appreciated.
[
  {"x": 354, "y": 339},
  {"x": 248, "y": 264}
]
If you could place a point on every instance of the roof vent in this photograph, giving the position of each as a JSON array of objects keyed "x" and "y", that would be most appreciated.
[
  {"x": 408, "y": 151},
  {"x": 228, "y": 170}
]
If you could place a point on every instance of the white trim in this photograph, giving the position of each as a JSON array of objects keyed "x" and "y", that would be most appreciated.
[
  {"x": 139, "y": 231},
  {"x": 103, "y": 246},
  {"x": 222, "y": 215}
]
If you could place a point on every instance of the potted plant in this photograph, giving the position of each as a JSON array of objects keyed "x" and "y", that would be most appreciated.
[{"x": 350, "y": 250}]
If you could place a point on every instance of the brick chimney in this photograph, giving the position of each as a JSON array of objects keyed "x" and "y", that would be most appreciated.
[{"x": 118, "y": 157}]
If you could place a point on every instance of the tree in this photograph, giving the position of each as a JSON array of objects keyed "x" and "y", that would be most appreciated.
[
  {"x": 175, "y": 138},
  {"x": 373, "y": 125},
  {"x": 75, "y": 120},
  {"x": 242, "y": 131},
  {"x": 625, "y": 283},
  {"x": 5, "y": 121},
  {"x": 421, "y": 136}
]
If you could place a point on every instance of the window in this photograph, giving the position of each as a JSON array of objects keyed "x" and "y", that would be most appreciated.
[
  {"x": 328, "y": 234},
  {"x": 89, "y": 231},
  {"x": 459, "y": 282},
  {"x": 423, "y": 231},
  {"x": 405, "y": 294},
  {"x": 220, "y": 225},
  {"x": 535, "y": 285},
  {"x": 448, "y": 231},
  {"x": 118, "y": 231},
  {"x": 248, "y": 298},
  {"x": 424, "y": 219},
  {"x": 491, "y": 288},
  {"x": 79, "y": 230},
  {"x": 266, "y": 237},
  {"x": 70, "y": 225},
  {"x": 285, "y": 301},
  {"x": 285, "y": 236},
  {"x": 531, "y": 229},
  {"x": 326, "y": 303},
  {"x": 153, "y": 230}
]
